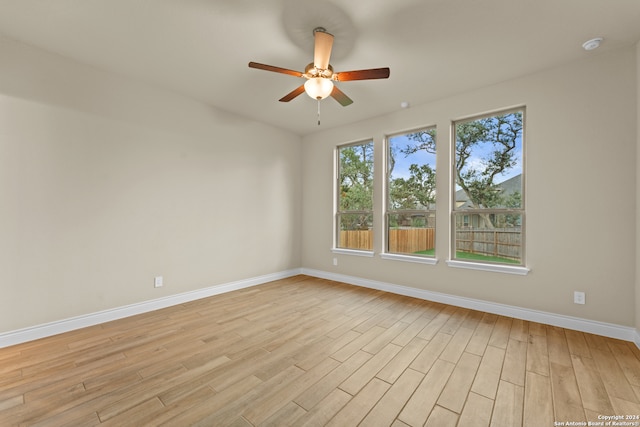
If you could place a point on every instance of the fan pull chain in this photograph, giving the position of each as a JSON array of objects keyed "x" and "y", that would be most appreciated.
[{"x": 318, "y": 112}]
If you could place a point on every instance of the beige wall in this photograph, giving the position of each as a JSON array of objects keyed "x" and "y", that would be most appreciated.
[
  {"x": 580, "y": 192},
  {"x": 106, "y": 183}
]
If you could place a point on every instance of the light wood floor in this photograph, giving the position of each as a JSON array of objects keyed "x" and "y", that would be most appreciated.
[{"x": 306, "y": 351}]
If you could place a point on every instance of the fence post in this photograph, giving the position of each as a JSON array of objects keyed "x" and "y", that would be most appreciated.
[{"x": 471, "y": 239}]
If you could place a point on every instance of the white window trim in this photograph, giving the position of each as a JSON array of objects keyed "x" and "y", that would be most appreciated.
[
  {"x": 473, "y": 265},
  {"x": 495, "y": 268},
  {"x": 386, "y": 211},
  {"x": 409, "y": 258},
  {"x": 355, "y": 252},
  {"x": 336, "y": 202}
]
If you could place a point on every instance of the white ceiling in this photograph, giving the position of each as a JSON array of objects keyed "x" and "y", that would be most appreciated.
[{"x": 435, "y": 48}]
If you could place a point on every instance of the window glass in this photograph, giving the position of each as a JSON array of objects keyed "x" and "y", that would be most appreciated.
[
  {"x": 411, "y": 193},
  {"x": 488, "y": 208},
  {"x": 354, "y": 217}
]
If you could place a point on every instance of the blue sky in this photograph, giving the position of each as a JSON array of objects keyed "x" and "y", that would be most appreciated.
[{"x": 401, "y": 169}]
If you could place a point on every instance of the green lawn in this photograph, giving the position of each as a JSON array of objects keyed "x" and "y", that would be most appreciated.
[
  {"x": 474, "y": 257},
  {"x": 430, "y": 252}
]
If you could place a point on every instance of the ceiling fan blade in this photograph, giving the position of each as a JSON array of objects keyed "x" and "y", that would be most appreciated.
[
  {"x": 322, "y": 49},
  {"x": 340, "y": 96},
  {"x": 274, "y": 69},
  {"x": 288, "y": 97},
  {"x": 373, "y": 73}
]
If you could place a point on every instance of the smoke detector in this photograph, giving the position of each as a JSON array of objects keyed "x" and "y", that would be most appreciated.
[{"x": 592, "y": 44}]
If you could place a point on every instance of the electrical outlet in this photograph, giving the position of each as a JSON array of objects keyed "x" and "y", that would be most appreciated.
[
  {"x": 157, "y": 282},
  {"x": 579, "y": 297},
  {"x": 335, "y": 261}
]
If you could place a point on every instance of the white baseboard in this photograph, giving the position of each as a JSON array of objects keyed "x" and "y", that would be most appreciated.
[
  {"x": 584, "y": 325},
  {"x": 41, "y": 331}
]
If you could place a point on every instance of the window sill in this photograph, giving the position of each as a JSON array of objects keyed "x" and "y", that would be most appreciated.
[
  {"x": 355, "y": 252},
  {"x": 409, "y": 258},
  {"x": 521, "y": 271}
]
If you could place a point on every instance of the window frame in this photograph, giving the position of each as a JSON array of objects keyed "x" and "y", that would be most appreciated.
[
  {"x": 337, "y": 212},
  {"x": 387, "y": 211},
  {"x": 521, "y": 268}
]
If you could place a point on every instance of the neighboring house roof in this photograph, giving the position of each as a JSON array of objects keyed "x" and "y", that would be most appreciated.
[{"x": 507, "y": 188}]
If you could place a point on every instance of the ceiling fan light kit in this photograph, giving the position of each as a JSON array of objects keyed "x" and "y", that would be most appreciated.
[
  {"x": 318, "y": 87},
  {"x": 320, "y": 75}
]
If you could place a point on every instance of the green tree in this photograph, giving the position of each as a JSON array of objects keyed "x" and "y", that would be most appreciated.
[
  {"x": 356, "y": 184},
  {"x": 476, "y": 178},
  {"x": 513, "y": 200},
  {"x": 418, "y": 191},
  {"x": 425, "y": 139},
  {"x": 502, "y": 132}
]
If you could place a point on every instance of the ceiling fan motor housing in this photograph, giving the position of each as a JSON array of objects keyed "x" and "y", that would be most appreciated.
[{"x": 311, "y": 71}]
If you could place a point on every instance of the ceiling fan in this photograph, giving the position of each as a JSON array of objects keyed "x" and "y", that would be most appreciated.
[{"x": 320, "y": 75}]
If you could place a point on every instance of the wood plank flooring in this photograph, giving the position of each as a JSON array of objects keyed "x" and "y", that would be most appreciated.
[{"x": 310, "y": 352}]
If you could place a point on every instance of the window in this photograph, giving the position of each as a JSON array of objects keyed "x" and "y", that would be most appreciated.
[
  {"x": 488, "y": 197},
  {"x": 411, "y": 193},
  {"x": 354, "y": 216}
]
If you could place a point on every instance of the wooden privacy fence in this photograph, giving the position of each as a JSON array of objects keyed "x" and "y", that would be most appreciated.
[
  {"x": 356, "y": 239},
  {"x": 401, "y": 240},
  {"x": 500, "y": 242},
  {"x": 411, "y": 240}
]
